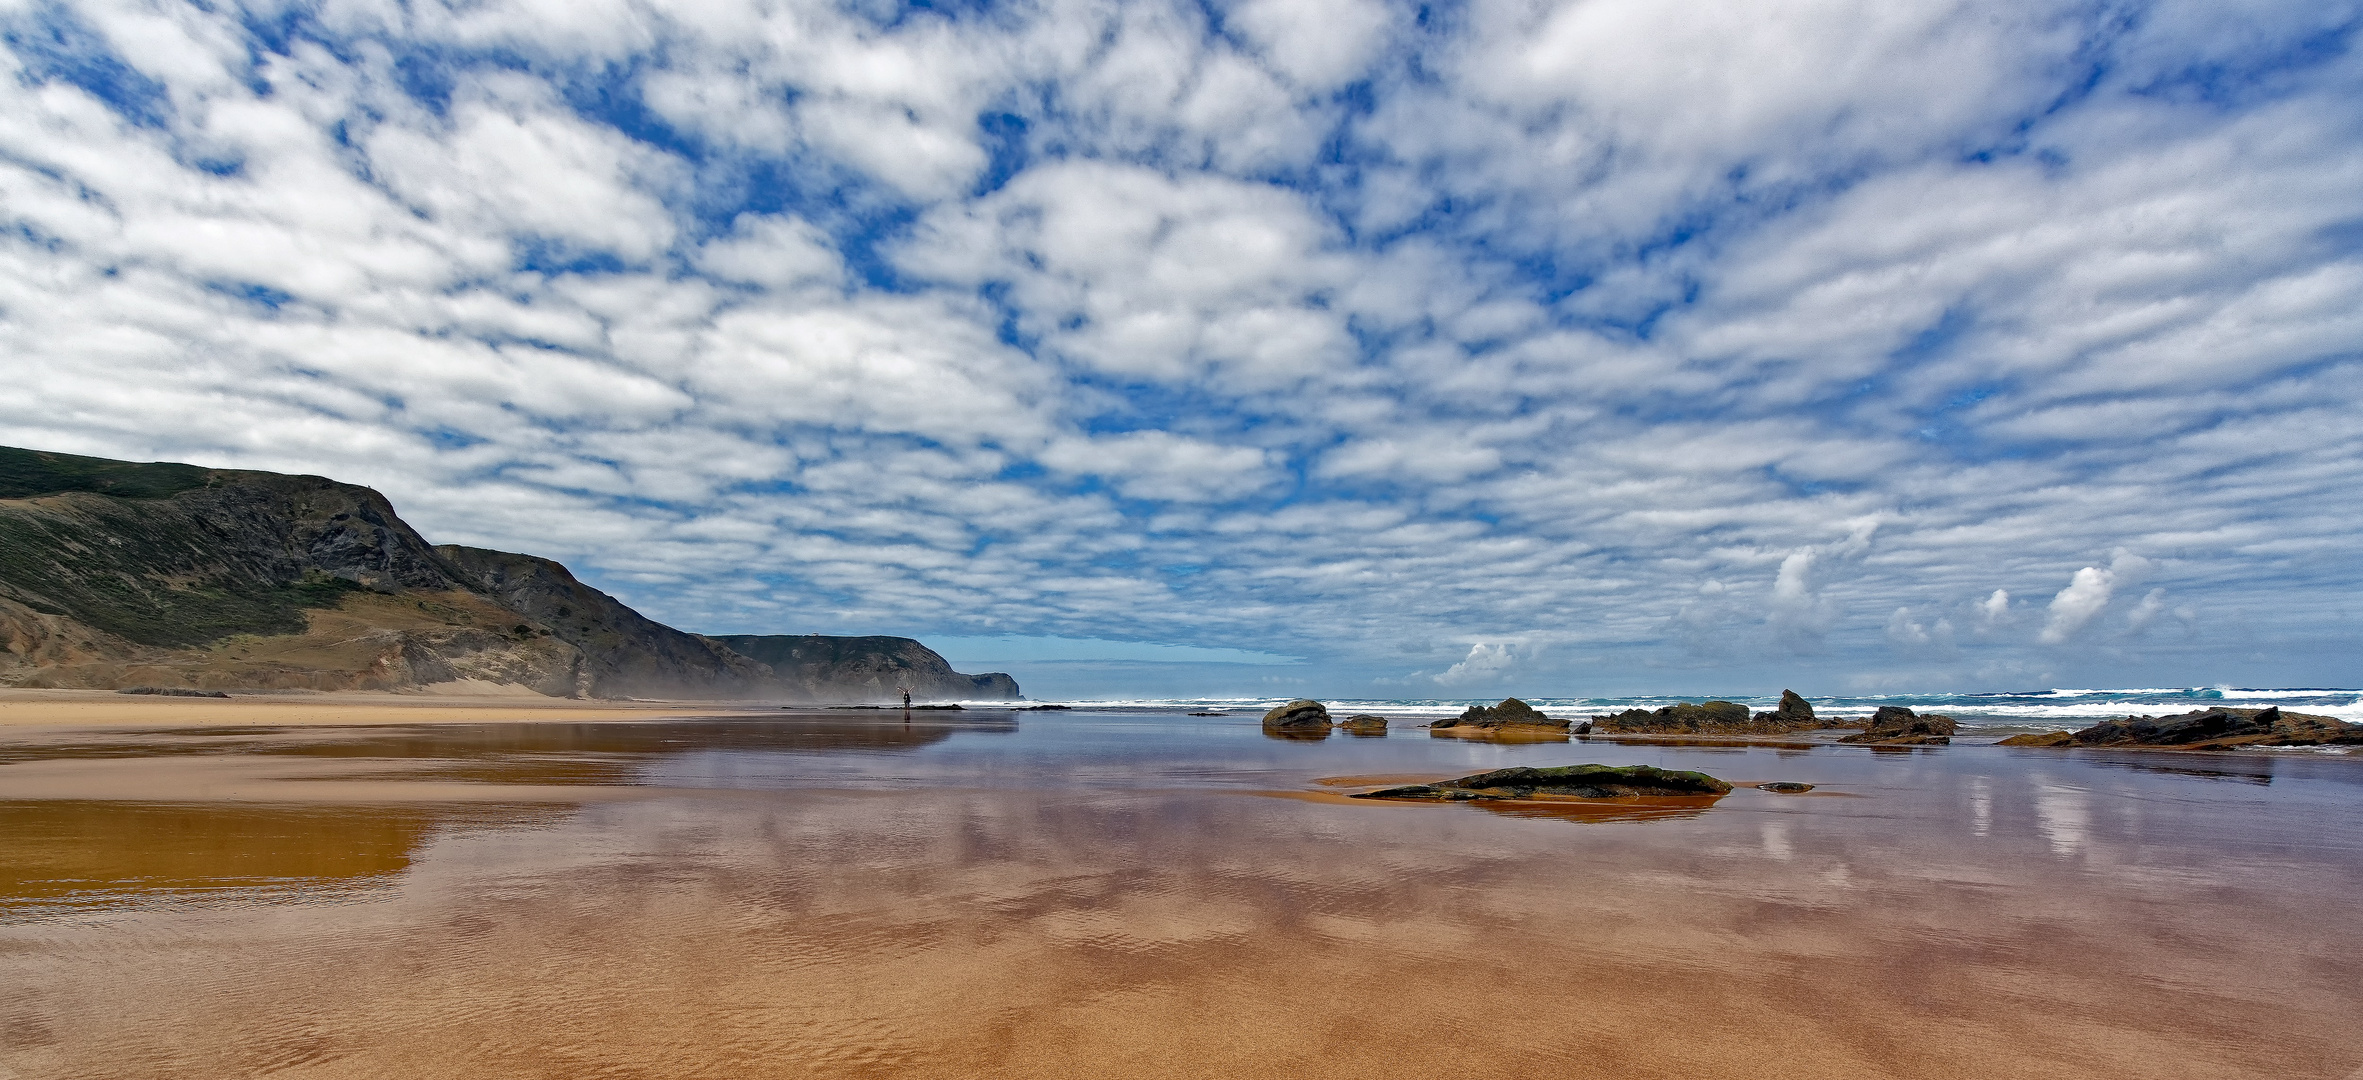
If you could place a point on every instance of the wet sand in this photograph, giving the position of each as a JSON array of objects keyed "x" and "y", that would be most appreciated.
[
  {"x": 1124, "y": 896},
  {"x": 106, "y": 708}
]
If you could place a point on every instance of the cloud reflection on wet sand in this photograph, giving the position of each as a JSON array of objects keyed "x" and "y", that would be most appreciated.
[{"x": 847, "y": 926}]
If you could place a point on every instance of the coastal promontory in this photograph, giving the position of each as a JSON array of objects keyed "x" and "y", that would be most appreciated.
[{"x": 117, "y": 574}]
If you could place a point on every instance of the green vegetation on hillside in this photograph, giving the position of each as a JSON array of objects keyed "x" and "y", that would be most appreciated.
[
  {"x": 147, "y": 571},
  {"x": 25, "y": 474}
]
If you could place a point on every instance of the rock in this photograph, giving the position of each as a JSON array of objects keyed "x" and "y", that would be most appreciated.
[
  {"x": 2041, "y": 738},
  {"x": 1209, "y": 714},
  {"x": 1570, "y": 781},
  {"x": 1363, "y": 724},
  {"x": 1511, "y": 713},
  {"x": 1785, "y": 787},
  {"x": 1894, "y": 725},
  {"x": 2205, "y": 729},
  {"x": 1714, "y": 717},
  {"x": 1303, "y": 714},
  {"x": 1794, "y": 713}
]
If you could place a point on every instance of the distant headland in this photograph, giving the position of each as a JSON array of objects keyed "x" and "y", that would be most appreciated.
[{"x": 119, "y": 575}]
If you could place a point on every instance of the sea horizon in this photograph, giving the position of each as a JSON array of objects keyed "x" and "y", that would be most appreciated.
[{"x": 1997, "y": 713}]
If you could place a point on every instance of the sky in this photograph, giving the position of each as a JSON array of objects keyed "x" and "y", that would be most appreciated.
[{"x": 1339, "y": 347}]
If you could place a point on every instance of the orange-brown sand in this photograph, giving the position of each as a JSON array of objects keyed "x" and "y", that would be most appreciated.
[
  {"x": 105, "y": 708},
  {"x": 818, "y": 915}
]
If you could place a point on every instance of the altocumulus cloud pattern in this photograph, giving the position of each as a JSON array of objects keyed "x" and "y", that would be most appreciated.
[{"x": 1451, "y": 347}]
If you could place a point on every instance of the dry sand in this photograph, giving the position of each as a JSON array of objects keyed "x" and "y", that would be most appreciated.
[{"x": 448, "y": 704}]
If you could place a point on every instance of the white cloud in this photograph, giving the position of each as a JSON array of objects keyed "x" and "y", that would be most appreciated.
[
  {"x": 1485, "y": 663},
  {"x": 1994, "y": 610},
  {"x": 2088, "y": 593},
  {"x": 1570, "y": 309},
  {"x": 2146, "y": 612}
]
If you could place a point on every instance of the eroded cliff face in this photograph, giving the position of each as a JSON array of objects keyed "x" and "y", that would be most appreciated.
[
  {"x": 819, "y": 668},
  {"x": 625, "y": 654},
  {"x": 120, "y": 574}
]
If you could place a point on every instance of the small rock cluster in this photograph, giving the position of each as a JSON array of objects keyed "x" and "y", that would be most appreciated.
[
  {"x": 1305, "y": 718},
  {"x": 1894, "y": 725}
]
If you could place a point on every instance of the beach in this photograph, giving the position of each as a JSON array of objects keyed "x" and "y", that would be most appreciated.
[
  {"x": 1144, "y": 894},
  {"x": 20, "y": 708}
]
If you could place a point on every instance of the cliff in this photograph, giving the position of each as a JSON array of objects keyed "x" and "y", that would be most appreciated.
[
  {"x": 116, "y": 574},
  {"x": 625, "y": 653},
  {"x": 866, "y": 668}
]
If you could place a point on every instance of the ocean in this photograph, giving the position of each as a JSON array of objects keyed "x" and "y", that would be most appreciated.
[{"x": 1985, "y": 714}]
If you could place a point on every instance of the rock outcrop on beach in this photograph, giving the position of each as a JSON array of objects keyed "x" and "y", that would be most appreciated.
[
  {"x": 1570, "y": 781},
  {"x": 116, "y": 574},
  {"x": 1511, "y": 717},
  {"x": 1894, "y": 725},
  {"x": 2205, "y": 729},
  {"x": 1302, "y": 718},
  {"x": 866, "y": 668},
  {"x": 1363, "y": 724},
  {"x": 1794, "y": 713}
]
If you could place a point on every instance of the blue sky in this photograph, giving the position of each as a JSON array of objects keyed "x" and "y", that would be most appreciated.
[{"x": 1285, "y": 346}]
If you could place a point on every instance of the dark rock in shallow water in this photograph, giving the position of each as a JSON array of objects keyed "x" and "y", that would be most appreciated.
[
  {"x": 1569, "y": 781},
  {"x": 1794, "y": 713},
  {"x": 1363, "y": 724},
  {"x": 1511, "y": 713},
  {"x": 2205, "y": 729},
  {"x": 1302, "y": 715},
  {"x": 1894, "y": 725},
  {"x": 1785, "y": 787},
  {"x": 1685, "y": 718}
]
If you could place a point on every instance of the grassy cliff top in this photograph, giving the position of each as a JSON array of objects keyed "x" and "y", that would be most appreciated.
[{"x": 28, "y": 473}]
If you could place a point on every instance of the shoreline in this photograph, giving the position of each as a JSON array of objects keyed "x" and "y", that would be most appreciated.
[{"x": 23, "y": 708}]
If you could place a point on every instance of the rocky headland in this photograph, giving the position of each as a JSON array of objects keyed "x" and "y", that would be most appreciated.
[
  {"x": 865, "y": 667},
  {"x": 118, "y": 574},
  {"x": 1894, "y": 725},
  {"x": 1564, "y": 782},
  {"x": 2204, "y": 729}
]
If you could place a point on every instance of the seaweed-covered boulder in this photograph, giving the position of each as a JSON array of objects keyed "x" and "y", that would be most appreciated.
[
  {"x": 1510, "y": 713},
  {"x": 1301, "y": 715},
  {"x": 2205, "y": 729},
  {"x": 1894, "y": 725},
  {"x": 1568, "y": 781},
  {"x": 1363, "y": 724},
  {"x": 1709, "y": 717}
]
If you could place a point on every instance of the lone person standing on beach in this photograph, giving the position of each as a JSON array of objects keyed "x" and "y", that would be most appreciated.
[{"x": 906, "y": 696}]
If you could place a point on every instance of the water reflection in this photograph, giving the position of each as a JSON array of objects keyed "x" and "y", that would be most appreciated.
[
  {"x": 2065, "y": 817},
  {"x": 1109, "y": 895},
  {"x": 69, "y": 854}
]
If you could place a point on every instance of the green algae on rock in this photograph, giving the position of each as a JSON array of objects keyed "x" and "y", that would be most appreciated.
[{"x": 1566, "y": 781}]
